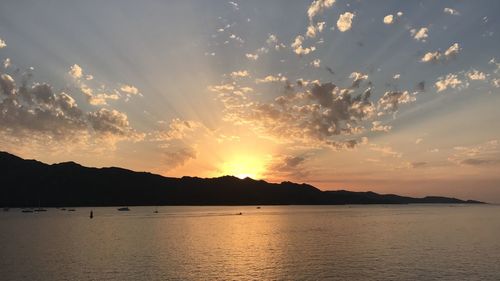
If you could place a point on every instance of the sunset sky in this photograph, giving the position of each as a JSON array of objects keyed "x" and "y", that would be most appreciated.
[{"x": 390, "y": 96}]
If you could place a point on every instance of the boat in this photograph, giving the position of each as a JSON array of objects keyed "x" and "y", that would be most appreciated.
[
  {"x": 6, "y": 209},
  {"x": 40, "y": 210},
  {"x": 27, "y": 211},
  {"x": 258, "y": 207},
  {"x": 123, "y": 209},
  {"x": 71, "y": 210}
]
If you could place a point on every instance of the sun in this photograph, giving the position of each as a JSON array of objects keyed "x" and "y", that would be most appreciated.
[{"x": 244, "y": 166}]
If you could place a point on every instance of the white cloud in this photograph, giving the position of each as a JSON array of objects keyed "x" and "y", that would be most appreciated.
[
  {"x": 431, "y": 57},
  {"x": 297, "y": 46},
  {"x": 452, "y": 50},
  {"x": 239, "y": 74},
  {"x": 311, "y": 31},
  {"x": 389, "y": 19},
  {"x": 271, "y": 78},
  {"x": 129, "y": 89},
  {"x": 76, "y": 71},
  {"x": 390, "y": 101},
  {"x": 234, "y": 5},
  {"x": 2, "y": 43},
  {"x": 451, "y": 11},
  {"x": 6, "y": 63},
  {"x": 419, "y": 35},
  {"x": 386, "y": 151},
  {"x": 316, "y": 63},
  {"x": 252, "y": 56},
  {"x": 344, "y": 22},
  {"x": 437, "y": 56},
  {"x": 476, "y": 75},
  {"x": 378, "y": 127},
  {"x": 419, "y": 140},
  {"x": 317, "y": 7},
  {"x": 449, "y": 81}
]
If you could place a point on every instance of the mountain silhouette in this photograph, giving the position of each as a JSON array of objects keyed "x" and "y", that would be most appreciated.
[{"x": 28, "y": 183}]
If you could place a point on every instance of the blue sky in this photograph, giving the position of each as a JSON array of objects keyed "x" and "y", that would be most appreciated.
[{"x": 179, "y": 88}]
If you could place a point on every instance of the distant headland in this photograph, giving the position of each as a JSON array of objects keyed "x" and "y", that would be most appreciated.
[{"x": 28, "y": 183}]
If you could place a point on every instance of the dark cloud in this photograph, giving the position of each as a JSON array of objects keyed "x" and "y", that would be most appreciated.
[
  {"x": 287, "y": 167},
  {"x": 479, "y": 162},
  {"x": 418, "y": 164}
]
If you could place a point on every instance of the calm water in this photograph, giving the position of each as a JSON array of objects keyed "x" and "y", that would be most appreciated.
[{"x": 416, "y": 242}]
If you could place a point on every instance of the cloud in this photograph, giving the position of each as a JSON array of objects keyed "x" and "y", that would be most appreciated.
[
  {"x": 287, "y": 167},
  {"x": 437, "y": 56},
  {"x": 239, "y": 74},
  {"x": 481, "y": 155},
  {"x": 476, "y": 75},
  {"x": 7, "y": 84},
  {"x": 418, "y": 164},
  {"x": 451, "y": 11},
  {"x": 452, "y": 50},
  {"x": 271, "y": 78},
  {"x": 419, "y": 140},
  {"x": 391, "y": 100},
  {"x": 320, "y": 115},
  {"x": 2, "y": 43},
  {"x": 479, "y": 162},
  {"x": 344, "y": 22},
  {"x": 252, "y": 56},
  {"x": 36, "y": 116},
  {"x": 6, "y": 63},
  {"x": 297, "y": 46},
  {"x": 317, "y": 7},
  {"x": 449, "y": 81},
  {"x": 234, "y": 5},
  {"x": 109, "y": 122},
  {"x": 313, "y": 30},
  {"x": 316, "y": 63},
  {"x": 129, "y": 89},
  {"x": 178, "y": 130},
  {"x": 386, "y": 151},
  {"x": 272, "y": 41},
  {"x": 76, "y": 71},
  {"x": 100, "y": 95},
  {"x": 378, "y": 127},
  {"x": 419, "y": 35},
  {"x": 357, "y": 78},
  {"x": 389, "y": 19},
  {"x": 174, "y": 157}
]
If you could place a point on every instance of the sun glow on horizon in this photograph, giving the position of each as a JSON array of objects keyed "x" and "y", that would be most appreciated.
[{"x": 243, "y": 166}]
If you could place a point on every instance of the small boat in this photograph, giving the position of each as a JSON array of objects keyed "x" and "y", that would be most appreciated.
[
  {"x": 27, "y": 211},
  {"x": 91, "y": 214},
  {"x": 6, "y": 209},
  {"x": 71, "y": 210},
  {"x": 123, "y": 209},
  {"x": 240, "y": 214},
  {"x": 258, "y": 207},
  {"x": 40, "y": 210},
  {"x": 63, "y": 209}
]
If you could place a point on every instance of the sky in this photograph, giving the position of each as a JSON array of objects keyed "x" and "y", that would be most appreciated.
[{"x": 390, "y": 96}]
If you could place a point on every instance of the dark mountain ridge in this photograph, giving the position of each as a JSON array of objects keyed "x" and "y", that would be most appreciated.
[{"x": 28, "y": 183}]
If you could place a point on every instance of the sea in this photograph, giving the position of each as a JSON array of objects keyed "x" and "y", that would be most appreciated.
[{"x": 352, "y": 242}]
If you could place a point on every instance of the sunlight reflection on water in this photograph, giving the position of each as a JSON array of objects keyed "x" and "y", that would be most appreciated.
[{"x": 408, "y": 242}]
